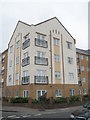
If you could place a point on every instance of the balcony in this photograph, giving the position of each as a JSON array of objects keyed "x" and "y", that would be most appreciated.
[
  {"x": 25, "y": 80},
  {"x": 79, "y": 83},
  {"x": 26, "y": 44},
  {"x": 3, "y": 60},
  {"x": 41, "y": 61},
  {"x": 25, "y": 61},
  {"x": 2, "y": 71},
  {"x": 41, "y": 43},
  {"x": 78, "y": 60},
  {"x": 79, "y": 71},
  {"x": 41, "y": 79}
]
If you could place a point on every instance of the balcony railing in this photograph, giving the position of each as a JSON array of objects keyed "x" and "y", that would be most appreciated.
[
  {"x": 26, "y": 44},
  {"x": 41, "y": 43},
  {"x": 41, "y": 61},
  {"x": 3, "y": 60},
  {"x": 25, "y": 80},
  {"x": 41, "y": 79},
  {"x": 78, "y": 60},
  {"x": 79, "y": 83},
  {"x": 25, "y": 61},
  {"x": 79, "y": 71},
  {"x": 2, "y": 71}
]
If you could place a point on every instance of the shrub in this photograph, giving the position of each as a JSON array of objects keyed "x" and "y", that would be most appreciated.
[
  {"x": 85, "y": 97},
  {"x": 74, "y": 99},
  {"x": 60, "y": 100},
  {"x": 19, "y": 100}
]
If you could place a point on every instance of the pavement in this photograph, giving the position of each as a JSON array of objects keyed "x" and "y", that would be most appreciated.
[{"x": 9, "y": 113}]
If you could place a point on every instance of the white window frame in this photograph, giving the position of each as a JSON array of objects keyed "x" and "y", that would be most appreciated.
[
  {"x": 82, "y": 68},
  {"x": 84, "y": 91},
  {"x": 57, "y": 75},
  {"x": 58, "y": 95},
  {"x": 81, "y": 57},
  {"x": 11, "y": 49},
  {"x": 17, "y": 76},
  {"x": 25, "y": 95},
  {"x": 83, "y": 79},
  {"x": 17, "y": 60},
  {"x": 72, "y": 92},
  {"x": 41, "y": 93},
  {"x": 69, "y": 45},
  {"x": 70, "y": 60},
  {"x": 56, "y": 41},
  {"x": 10, "y": 63},
  {"x": 71, "y": 76}
]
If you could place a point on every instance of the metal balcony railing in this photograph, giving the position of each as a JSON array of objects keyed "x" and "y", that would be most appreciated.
[
  {"x": 41, "y": 61},
  {"x": 41, "y": 79},
  {"x": 41, "y": 43},
  {"x": 26, "y": 44},
  {"x": 25, "y": 80},
  {"x": 25, "y": 61}
]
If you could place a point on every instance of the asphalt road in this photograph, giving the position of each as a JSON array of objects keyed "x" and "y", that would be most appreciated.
[{"x": 9, "y": 113}]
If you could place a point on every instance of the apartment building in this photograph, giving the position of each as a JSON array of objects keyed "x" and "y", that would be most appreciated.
[
  {"x": 42, "y": 59},
  {"x": 83, "y": 68},
  {"x": 0, "y": 70},
  {"x": 3, "y": 72}
]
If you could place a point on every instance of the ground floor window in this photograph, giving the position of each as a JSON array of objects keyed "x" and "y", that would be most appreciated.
[
  {"x": 72, "y": 92},
  {"x": 58, "y": 93},
  {"x": 79, "y": 92},
  {"x": 40, "y": 93},
  {"x": 84, "y": 91},
  {"x": 9, "y": 93},
  {"x": 25, "y": 93},
  {"x": 16, "y": 93}
]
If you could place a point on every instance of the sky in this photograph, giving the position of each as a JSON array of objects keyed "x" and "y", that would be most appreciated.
[{"x": 73, "y": 14}]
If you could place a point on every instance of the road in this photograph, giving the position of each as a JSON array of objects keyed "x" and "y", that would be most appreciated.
[{"x": 27, "y": 113}]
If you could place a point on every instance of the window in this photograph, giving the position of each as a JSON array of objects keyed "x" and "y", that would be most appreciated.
[
  {"x": 56, "y": 58},
  {"x": 41, "y": 72},
  {"x": 82, "y": 68},
  {"x": 18, "y": 44},
  {"x": 17, "y": 60},
  {"x": 88, "y": 79},
  {"x": 11, "y": 49},
  {"x": 58, "y": 93},
  {"x": 57, "y": 75},
  {"x": 26, "y": 37},
  {"x": 81, "y": 57},
  {"x": 25, "y": 73},
  {"x": 26, "y": 55},
  {"x": 79, "y": 92},
  {"x": 16, "y": 93},
  {"x": 10, "y": 63},
  {"x": 10, "y": 78},
  {"x": 71, "y": 76},
  {"x": 9, "y": 93},
  {"x": 69, "y": 45},
  {"x": 2, "y": 83},
  {"x": 70, "y": 60},
  {"x": 17, "y": 76},
  {"x": 88, "y": 69},
  {"x": 87, "y": 58},
  {"x": 3, "y": 56},
  {"x": 72, "y": 92},
  {"x": 41, "y": 36},
  {"x": 41, "y": 54},
  {"x": 84, "y": 91},
  {"x": 56, "y": 41},
  {"x": 40, "y": 93},
  {"x": 83, "y": 79},
  {"x": 25, "y": 93}
]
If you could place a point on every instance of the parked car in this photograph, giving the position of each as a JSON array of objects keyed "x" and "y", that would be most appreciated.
[{"x": 81, "y": 114}]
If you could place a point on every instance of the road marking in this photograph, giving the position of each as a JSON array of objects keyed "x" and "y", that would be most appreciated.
[
  {"x": 26, "y": 116},
  {"x": 12, "y": 116},
  {"x": 65, "y": 109},
  {"x": 37, "y": 114}
]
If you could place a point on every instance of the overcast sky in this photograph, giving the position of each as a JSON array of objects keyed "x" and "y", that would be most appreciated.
[{"x": 72, "y": 14}]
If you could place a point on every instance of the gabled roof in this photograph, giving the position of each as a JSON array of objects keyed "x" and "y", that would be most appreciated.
[
  {"x": 59, "y": 22},
  {"x": 40, "y": 24}
]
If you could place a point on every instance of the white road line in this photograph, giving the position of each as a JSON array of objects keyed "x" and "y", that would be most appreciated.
[
  {"x": 37, "y": 114},
  {"x": 26, "y": 116},
  {"x": 11, "y": 116}
]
